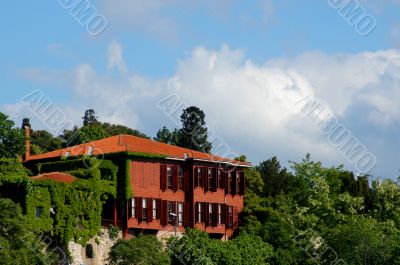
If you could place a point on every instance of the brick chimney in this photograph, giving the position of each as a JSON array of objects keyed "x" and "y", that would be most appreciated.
[{"x": 27, "y": 143}]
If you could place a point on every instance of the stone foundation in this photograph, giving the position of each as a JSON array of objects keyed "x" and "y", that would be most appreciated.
[{"x": 101, "y": 248}]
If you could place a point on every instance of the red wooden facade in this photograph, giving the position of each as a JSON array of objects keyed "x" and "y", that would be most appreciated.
[{"x": 172, "y": 194}]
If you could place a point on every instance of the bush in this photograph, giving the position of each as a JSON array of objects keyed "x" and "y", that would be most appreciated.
[{"x": 143, "y": 250}]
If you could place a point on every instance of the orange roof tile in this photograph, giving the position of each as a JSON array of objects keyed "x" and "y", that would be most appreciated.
[
  {"x": 130, "y": 143},
  {"x": 56, "y": 176}
]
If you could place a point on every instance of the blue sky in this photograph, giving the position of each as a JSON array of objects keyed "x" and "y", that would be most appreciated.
[{"x": 228, "y": 58}]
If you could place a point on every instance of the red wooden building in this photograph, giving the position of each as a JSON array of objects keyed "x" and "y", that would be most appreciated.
[{"x": 172, "y": 187}]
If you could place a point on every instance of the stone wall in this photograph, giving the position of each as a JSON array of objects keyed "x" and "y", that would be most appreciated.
[{"x": 101, "y": 245}]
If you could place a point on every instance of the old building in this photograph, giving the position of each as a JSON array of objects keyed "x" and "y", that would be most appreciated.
[{"x": 159, "y": 187}]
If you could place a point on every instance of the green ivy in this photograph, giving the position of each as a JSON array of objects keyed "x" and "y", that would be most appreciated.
[
  {"x": 77, "y": 207},
  {"x": 12, "y": 171},
  {"x": 124, "y": 180}
]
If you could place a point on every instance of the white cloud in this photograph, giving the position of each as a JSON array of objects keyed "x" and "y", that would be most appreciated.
[
  {"x": 250, "y": 106},
  {"x": 115, "y": 57}
]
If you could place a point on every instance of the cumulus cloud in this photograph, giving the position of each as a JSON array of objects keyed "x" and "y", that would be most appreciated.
[{"x": 252, "y": 107}]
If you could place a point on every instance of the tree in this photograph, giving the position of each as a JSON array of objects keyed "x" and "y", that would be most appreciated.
[
  {"x": 116, "y": 129},
  {"x": 143, "y": 250},
  {"x": 43, "y": 141},
  {"x": 276, "y": 179},
  {"x": 18, "y": 245},
  {"x": 166, "y": 136},
  {"x": 195, "y": 247},
  {"x": 90, "y": 117},
  {"x": 12, "y": 140},
  {"x": 193, "y": 134}
]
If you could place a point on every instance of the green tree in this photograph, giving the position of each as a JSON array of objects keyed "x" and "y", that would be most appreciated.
[
  {"x": 197, "y": 248},
  {"x": 89, "y": 117},
  {"x": 193, "y": 134},
  {"x": 143, "y": 250},
  {"x": 43, "y": 141},
  {"x": 12, "y": 140},
  {"x": 276, "y": 179},
  {"x": 166, "y": 136},
  {"x": 18, "y": 245},
  {"x": 116, "y": 129}
]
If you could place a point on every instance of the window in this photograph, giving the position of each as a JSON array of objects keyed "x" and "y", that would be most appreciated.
[
  {"x": 180, "y": 214},
  {"x": 210, "y": 213},
  {"x": 169, "y": 177},
  {"x": 171, "y": 214},
  {"x": 89, "y": 251},
  {"x": 180, "y": 177},
  {"x": 144, "y": 210},
  {"x": 230, "y": 216},
  {"x": 133, "y": 207},
  {"x": 199, "y": 177},
  {"x": 229, "y": 184},
  {"x": 38, "y": 211},
  {"x": 210, "y": 180},
  {"x": 67, "y": 154},
  {"x": 219, "y": 214},
  {"x": 199, "y": 213},
  {"x": 220, "y": 179},
  {"x": 237, "y": 183},
  {"x": 90, "y": 151},
  {"x": 154, "y": 209}
]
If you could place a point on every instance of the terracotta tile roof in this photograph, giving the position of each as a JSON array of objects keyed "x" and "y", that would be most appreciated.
[
  {"x": 129, "y": 143},
  {"x": 56, "y": 176}
]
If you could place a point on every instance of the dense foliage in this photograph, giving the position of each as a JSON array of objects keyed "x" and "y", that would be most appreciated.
[
  {"x": 196, "y": 247},
  {"x": 18, "y": 245},
  {"x": 12, "y": 140},
  {"x": 143, "y": 250},
  {"x": 323, "y": 215},
  {"x": 43, "y": 141}
]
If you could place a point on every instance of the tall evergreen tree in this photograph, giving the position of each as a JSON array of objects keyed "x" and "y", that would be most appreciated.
[
  {"x": 193, "y": 134},
  {"x": 90, "y": 117}
]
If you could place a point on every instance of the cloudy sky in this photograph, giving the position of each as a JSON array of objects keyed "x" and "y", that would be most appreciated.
[{"x": 245, "y": 63}]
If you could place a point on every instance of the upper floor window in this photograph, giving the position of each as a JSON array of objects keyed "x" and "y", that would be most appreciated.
[
  {"x": 229, "y": 184},
  {"x": 90, "y": 151},
  {"x": 210, "y": 180},
  {"x": 220, "y": 179},
  {"x": 180, "y": 177},
  {"x": 198, "y": 177},
  {"x": 169, "y": 177},
  {"x": 237, "y": 183}
]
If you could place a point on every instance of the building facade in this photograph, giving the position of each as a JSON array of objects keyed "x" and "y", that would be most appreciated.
[{"x": 159, "y": 187}]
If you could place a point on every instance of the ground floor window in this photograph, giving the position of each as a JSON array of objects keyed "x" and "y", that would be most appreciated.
[
  {"x": 180, "y": 214},
  {"x": 144, "y": 210},
  {"x": 219, "y": 214},
  {"x": 199, "y": 213},
  {"x": 133, "y": 207},
  {"x": 171, "y": 214}
]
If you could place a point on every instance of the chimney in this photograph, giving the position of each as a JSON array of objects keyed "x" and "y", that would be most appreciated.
[
  {"x": 27, "y": 127},
  {"x": 28, "y": 143}
]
